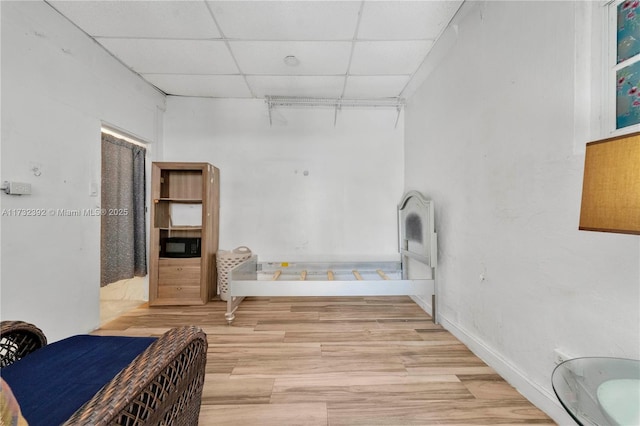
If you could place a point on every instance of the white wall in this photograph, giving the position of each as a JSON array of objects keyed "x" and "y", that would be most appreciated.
[
  {"x": 58, "y": 87},
  {"x": 490, "y": 138},
  {"x": 344, "y": 209}
]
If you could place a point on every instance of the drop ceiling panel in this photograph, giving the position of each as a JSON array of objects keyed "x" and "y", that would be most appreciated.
[
  {"x": 315, "y": 57},
  {"x": 368, "y": 87},
  {"x": 287, "y": 20},
  {"x": 311, "y": 86},
  {"x": 388, "y": 57},
  {"x": 166, "y": 41},
  {"x": 172, "y": 56},
  {"x": 154, "y": 19},
  {"x": 405, "y": 20},
  {"x": 217, "y": 86}
]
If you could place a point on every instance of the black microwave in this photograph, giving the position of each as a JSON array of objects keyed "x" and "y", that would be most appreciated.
[{"x": 180, "y": 247}]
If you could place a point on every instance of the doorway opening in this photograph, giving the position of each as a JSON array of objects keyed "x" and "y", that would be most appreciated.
[{"x": 123, "y": 240}]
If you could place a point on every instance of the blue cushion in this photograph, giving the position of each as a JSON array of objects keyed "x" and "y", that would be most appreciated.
[{"x": 51, "y": 383}]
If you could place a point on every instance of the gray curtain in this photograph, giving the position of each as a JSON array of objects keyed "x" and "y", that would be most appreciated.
[{"x": 123, "y": 236}]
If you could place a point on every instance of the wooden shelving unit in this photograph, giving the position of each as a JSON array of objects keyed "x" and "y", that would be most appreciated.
[{"x": 194, "y": 190}]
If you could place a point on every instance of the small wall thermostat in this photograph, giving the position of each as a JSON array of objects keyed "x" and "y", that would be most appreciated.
[{"x": 16, "y": 188}]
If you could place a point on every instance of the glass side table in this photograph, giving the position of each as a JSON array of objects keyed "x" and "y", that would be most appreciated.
[{"x": 599, "y": 391}]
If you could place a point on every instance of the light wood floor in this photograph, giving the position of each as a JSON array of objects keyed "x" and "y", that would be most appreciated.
[{"x": 336, "y": 361}]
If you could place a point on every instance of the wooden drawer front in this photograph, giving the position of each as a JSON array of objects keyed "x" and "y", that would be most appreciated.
[
  {"x": 179, "y": 292},
  {"x": 179, "y": 271},
  {"x": 179, "y": 279},
  {"x": 175, "y": 275}
]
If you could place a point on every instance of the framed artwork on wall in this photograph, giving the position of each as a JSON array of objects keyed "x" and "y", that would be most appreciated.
[
  {"x": 628, "y": 25},
  {"x": 628, "y": 96},
  {"x": 627, "y": 67}
]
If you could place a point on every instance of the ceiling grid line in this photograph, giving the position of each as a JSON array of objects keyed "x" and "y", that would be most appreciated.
[
  {"x": 353, "y": 46},
  {"x": 236, "y": 49},
  {"x": 226, "y": 42},
  {"x": 426, "y": 57}
]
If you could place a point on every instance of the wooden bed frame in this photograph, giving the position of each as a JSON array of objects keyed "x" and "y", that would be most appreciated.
[{"x": 413, "y": 275}]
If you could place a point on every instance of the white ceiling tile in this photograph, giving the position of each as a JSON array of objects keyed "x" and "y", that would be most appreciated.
[
  {"x": 172, "y": 56},
  {"x": 176, "y": 44},
  {"x": 154, "y": 19},
  {"x": 287, "y": 20},
  {"x": 311, "y": 86},
  {"x": 367, "y": 87},
  {"x": 218, "y": 86},
  {"x": 406, "y": 20},
  {"x": 315, "y": 58},
  {"x": 388, "y": 57}
]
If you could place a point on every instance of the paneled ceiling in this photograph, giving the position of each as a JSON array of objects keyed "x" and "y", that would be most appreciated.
[{"x": 237, "y": 49}]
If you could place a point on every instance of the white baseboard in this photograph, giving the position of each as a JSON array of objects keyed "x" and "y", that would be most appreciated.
[
  {"x": 539, "y": 396},
  {"x": 424, "y": 304}
]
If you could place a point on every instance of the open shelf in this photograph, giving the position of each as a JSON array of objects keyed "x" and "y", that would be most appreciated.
[
  {"x": 181, "y": 228},
  {"x": 185, "y": 206},
  {"x": 180, "y": 200}
]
